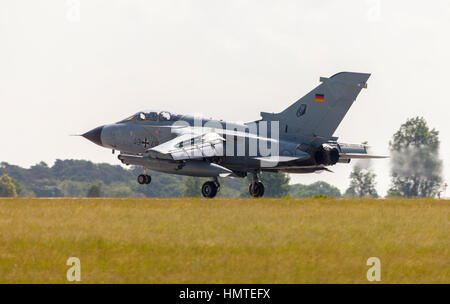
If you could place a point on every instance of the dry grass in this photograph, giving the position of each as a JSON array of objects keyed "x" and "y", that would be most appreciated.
[{"x": 224, "y": 240}]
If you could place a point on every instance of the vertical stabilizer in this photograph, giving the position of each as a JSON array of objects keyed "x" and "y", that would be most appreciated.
[{"x": 320, "y": 112}]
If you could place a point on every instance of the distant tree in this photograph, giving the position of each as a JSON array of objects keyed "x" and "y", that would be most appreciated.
[
  {"x": 362, "y": 183},
  {"x": 71, "y": 188},
  {"x": 276, "y": 184},
  {"x": 416, "y": 168},
  {"x": 230, "y": 187},
  {"x": 192, "y": 186},
  {"x": 41, "y": 170},
  {"x": 45, "y": 187},
  {"x": 94, "y": 191},
  {"x": 7, "y": 187},
  {"x": 314, "y": 189},
  {"x": 117, "y": 189},
  {"x": 162, "y": 185},
  {"x": 19, "y": 189}
]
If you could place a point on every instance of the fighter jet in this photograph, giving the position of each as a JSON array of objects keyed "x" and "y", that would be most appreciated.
[{"x": 298, "y": 139}]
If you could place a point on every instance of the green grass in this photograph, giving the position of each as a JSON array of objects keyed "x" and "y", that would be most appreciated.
[{"x": 224, "y": 240}]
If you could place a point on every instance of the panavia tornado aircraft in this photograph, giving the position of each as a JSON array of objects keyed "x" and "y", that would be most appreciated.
[{"x": 298, "y": 139}]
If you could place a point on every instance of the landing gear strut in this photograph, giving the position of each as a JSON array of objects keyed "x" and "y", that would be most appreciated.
[
  {"x": 144, "y": 179},
  {"x": 210, "y": 188},
  {"x": 256, "y": 188}
]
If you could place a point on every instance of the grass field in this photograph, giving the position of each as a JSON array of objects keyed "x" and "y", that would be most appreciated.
[{"x": 224, "y": 240}]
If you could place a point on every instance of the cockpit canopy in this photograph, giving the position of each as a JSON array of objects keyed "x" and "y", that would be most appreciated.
[{"x": 153, "y": 116}]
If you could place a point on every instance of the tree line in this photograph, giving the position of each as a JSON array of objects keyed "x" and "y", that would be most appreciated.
[{"x": 81, "y": 178}]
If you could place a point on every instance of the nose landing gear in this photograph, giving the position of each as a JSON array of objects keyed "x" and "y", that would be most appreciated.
[{"x": 144, "y": 179}]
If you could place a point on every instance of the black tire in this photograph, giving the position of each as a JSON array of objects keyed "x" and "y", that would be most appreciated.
[
  {"x": 257, "y": 190},
  {"x": 261, "y": 189},
  {"x": 148, "y": 179},
  {"x": 209, "y": 190},
  {"x": 141, "y": 179}
]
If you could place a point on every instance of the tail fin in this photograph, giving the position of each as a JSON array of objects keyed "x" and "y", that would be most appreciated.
[{"x": 320, "y": 112}]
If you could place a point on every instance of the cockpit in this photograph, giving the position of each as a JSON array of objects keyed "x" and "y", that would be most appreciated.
[{"x": 153, "y": 116}]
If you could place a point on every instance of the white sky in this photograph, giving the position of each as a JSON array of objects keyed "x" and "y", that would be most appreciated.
[{"x": 65, "y": 73}]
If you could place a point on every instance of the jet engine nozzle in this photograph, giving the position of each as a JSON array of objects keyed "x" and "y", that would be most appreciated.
[{"x": 326, "y": 155}]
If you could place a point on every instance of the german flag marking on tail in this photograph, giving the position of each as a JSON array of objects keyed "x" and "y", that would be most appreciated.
[{"x": 320, "y": 98}]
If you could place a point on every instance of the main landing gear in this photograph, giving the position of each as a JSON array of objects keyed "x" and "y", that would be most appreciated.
[
  {"x": 144, "y": 179},
  {"x": 256, "y": 188},
  {"x": 210, "y": 188}
]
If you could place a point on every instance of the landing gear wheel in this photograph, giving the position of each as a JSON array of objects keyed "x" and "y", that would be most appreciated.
[
  {"x": 141, "y": 179},
  {"x": 209, "y": 189},
  {"x": 144, "y": 179},
  {"x": 256, "y": 189}
]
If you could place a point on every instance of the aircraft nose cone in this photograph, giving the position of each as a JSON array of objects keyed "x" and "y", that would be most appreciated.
[{"x": 94, "y": 135}]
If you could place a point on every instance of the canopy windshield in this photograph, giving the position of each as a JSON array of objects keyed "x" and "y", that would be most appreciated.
[{"x": 153, "y": 116}]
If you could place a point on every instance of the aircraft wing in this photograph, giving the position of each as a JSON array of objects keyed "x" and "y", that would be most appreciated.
[{"x": 191, "y": 146}]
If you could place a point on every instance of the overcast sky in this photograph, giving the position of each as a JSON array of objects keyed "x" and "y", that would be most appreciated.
[{"x": 69, "y": 66}]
